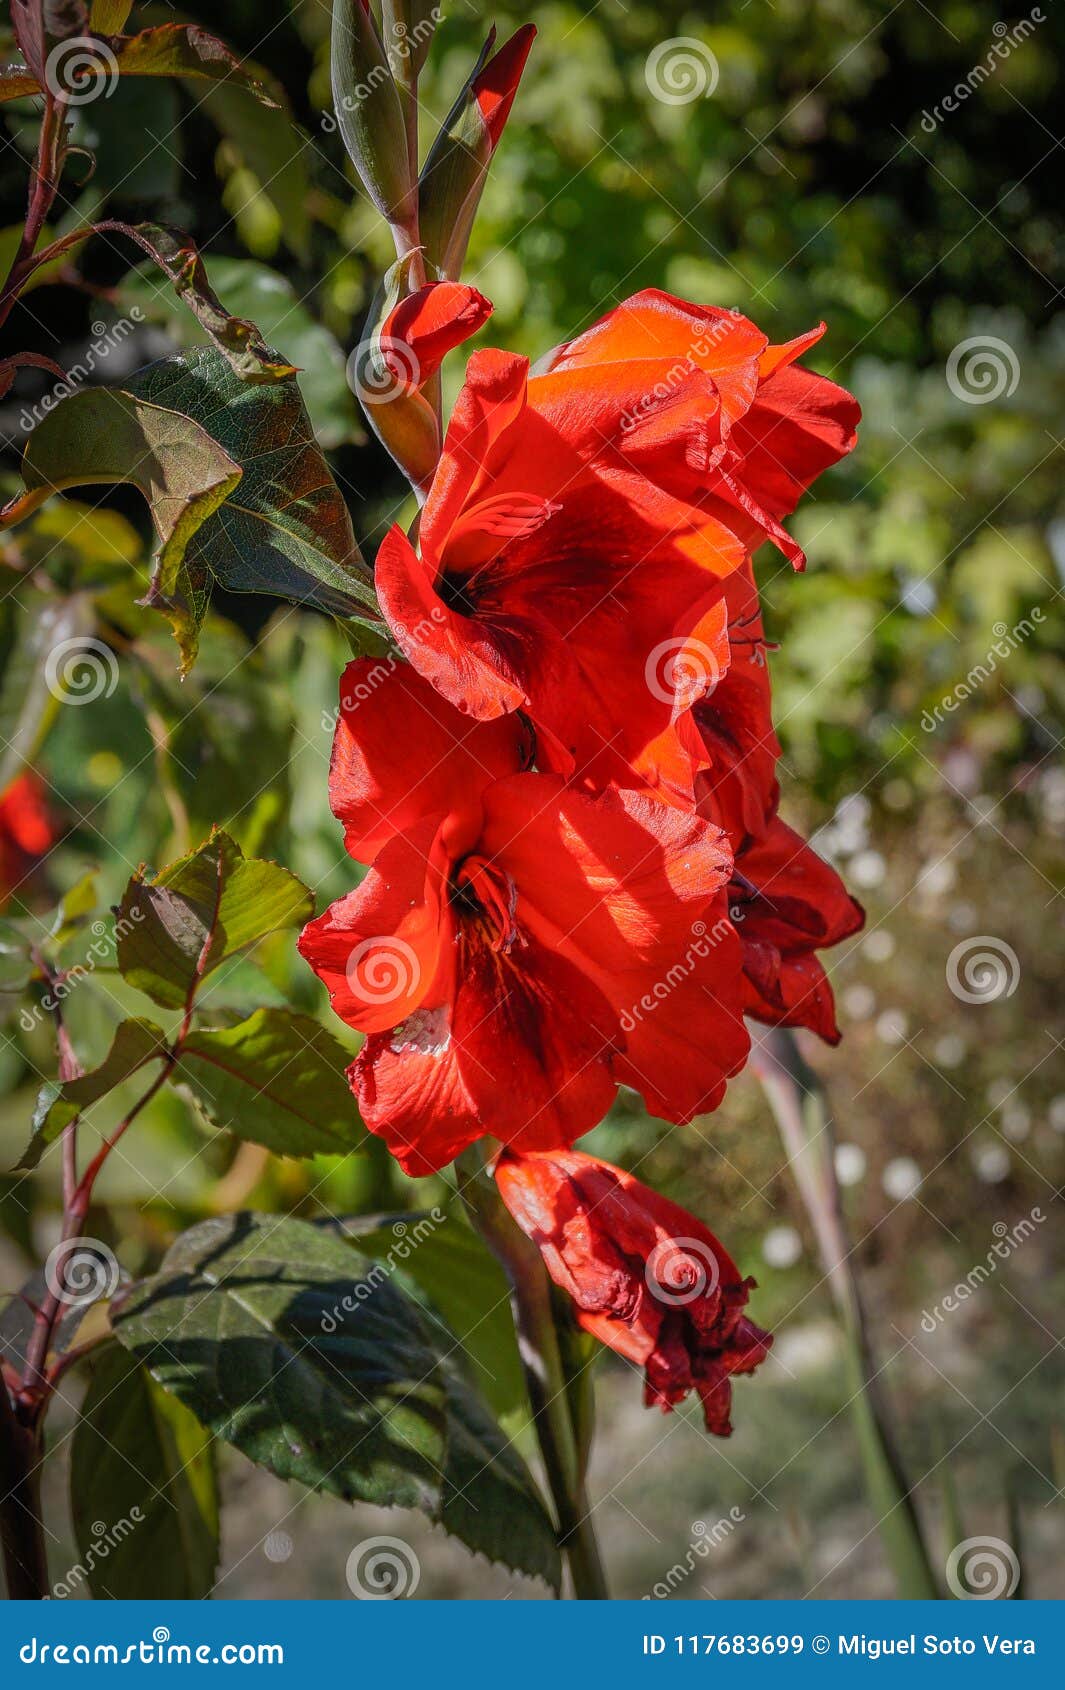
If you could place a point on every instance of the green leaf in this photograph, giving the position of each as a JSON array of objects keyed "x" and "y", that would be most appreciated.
[
  {"x": 136, "y": 1042},
  {"x": 173, "y": 929},
  {"x": 74, "y": 908},
  {"x": 267, "y": 298},
  {"x": 286, "y": 529},
  {"x": 173, "y": 49},
  {"x": 276, "y": 1079},
  {"x": 239, "y": 491},
  {"x": 237, "y": 339},
  {"x": 104, "y": 435},
  {"x": 143, "y": 1490},
  {"x": 323, "y": 1366},
  {"x": 465, "y": 1283}
]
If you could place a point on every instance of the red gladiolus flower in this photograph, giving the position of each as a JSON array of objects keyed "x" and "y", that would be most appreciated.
[
  {"x": 647, "y": 1278},
  {"x": 581, "y": 522},
  {"x": 560, "y": 582},
  {"x": 508, "y": 952},
  {"x": 731, "y": 739},
  {"x": 701, "y": 391},
  {"x": 422, "y": 329},
  {"x": 788, "y": 903},
  {"x": 26, "y": 831}
]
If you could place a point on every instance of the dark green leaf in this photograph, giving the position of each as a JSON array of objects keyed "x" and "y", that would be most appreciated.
[
  {"x": 324, "y": 1366},
  {"x": 286, "y": 529},
  {"x": 276, "y": 1079},
  {"x": 173, "y": 929},
  {"x": 259, "y": 293},
  {"x": 135, "y": 1042},
  {"x": 237, "y": 339},
  {"x": 106, "y": 435},
  {"x": 143, "y": 1491},
  {"x": 468, "y": 1287},
  {"x": 172, "y": 49}
]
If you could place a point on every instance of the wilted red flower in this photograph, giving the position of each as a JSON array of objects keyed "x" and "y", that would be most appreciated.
[
  {"x": 582, "y": 520},
  {"x": 787, "y": 904},
  {"x": 510, "y": 949},
  {"x": 26, "y": 830},
  {"x": 646, "y": 1277}
]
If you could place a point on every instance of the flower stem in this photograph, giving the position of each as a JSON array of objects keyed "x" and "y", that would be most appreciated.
[
  {"x": 798, "y": 1101},
  {"x": 545, "y": 1375}
]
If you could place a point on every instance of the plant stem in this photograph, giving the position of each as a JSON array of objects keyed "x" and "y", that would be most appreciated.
[
  {"x": 21, "y": 1525},
  {"x": 545, "y": 1375},
  {"x": 798, "y": 1101}
]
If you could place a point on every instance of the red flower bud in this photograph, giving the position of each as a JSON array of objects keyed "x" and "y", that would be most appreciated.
[
  {"x": 495, "y": 85},
  {"x": 647, "y": 1278},
  {"x": 423, "y": 328}
]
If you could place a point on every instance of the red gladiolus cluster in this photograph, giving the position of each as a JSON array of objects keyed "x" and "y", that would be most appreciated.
[{"x": 567, "y": 795}]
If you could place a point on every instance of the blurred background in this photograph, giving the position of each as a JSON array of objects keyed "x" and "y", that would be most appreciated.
[{"x": 839, "y": 160}]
